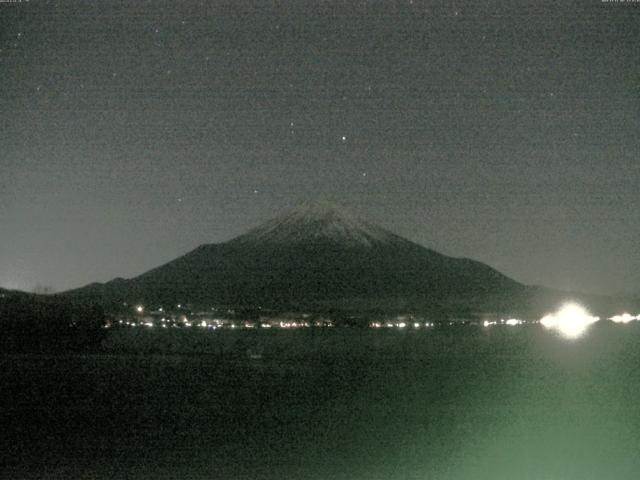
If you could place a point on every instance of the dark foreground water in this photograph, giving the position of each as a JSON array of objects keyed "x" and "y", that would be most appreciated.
[{"x": 498, "y": 403}]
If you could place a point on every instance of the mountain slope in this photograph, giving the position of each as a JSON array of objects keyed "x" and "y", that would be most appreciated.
[{"x": 314, "y": 255}]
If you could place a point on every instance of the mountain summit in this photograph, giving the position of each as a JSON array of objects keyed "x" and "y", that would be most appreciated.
[
  {"x": 315, "y": 223},
  {"x": 314, "y": 256}
]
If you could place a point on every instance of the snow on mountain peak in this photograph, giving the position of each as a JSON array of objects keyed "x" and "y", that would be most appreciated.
[{"x": 319, "y": 221}]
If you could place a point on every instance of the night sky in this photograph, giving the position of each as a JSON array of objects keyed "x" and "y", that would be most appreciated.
[{"x": 131, "y": 132}]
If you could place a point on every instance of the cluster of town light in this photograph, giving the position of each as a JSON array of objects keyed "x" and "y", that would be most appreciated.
[
  {"x": 159, "y": 318},
  {"x": 624, "y": 318},
  {"x": 572, "y": 320},
  {"x": 510, "y": 322},
  {"x": 400, "y": 324}
]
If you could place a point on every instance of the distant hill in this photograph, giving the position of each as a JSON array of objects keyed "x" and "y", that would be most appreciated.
[
  {"x": 6, "y": 294},
  {"x": 318, "y": 256}
]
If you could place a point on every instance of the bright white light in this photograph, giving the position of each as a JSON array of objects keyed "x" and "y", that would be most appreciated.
[
  {"x": 571, "y": 321},
  {"x": 624, "y": 318},
  {"x": 139, "y": 309},
  {"x": 203, "y": 323},
  {"x": 416, "y": 325},
  {"x": 402, "y": 325},
  {"x": 513, "y": 321}
]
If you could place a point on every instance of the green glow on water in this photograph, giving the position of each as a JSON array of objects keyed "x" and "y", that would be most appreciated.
[{"x": 503, "y": 403}]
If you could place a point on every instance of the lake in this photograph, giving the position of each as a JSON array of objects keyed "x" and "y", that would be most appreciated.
[{"x": 447, "y": 403}]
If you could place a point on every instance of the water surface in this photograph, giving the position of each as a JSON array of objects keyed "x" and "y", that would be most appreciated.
[{"x": 456, "y": 403}]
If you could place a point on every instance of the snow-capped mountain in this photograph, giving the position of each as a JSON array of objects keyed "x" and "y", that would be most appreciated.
[
  {"x": 318, "y": 222},
  {"x": 314, "y": 255}
]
